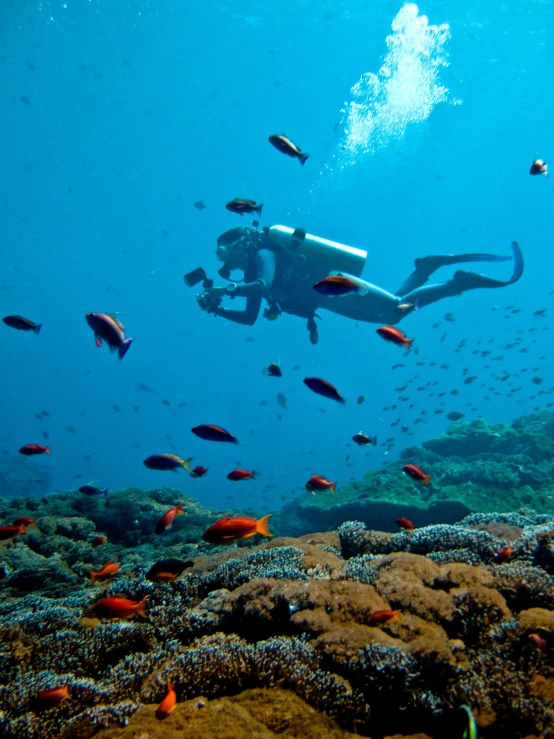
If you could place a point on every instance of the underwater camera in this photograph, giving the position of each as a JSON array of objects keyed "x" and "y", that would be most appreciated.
[{"x": 198, "y": 275}]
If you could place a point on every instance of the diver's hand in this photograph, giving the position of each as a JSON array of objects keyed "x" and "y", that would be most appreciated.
[{"x": 210, "y": 299}]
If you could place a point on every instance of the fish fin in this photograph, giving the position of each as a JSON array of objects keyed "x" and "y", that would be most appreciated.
[
  {"x": 97, "y": 340},
  {"x": 332, "y": 487},
  {"x": 253, "y": 475},
  {"x": 179, "y": 508},
  {"x": 407, "y": 344},
  {"x": 374, "y": 441},
  {"x": 302, "y": 158},
  {"x": 124, "y": 348},
  {"x": 105, "y": 492},
  {"x": 37, "y": 328},
  {"x": 185, "y": 464},
  {"x": 262, "y": 526},
  {"x": 141, "y": 609},
  {"x": 47, "y": 450},
  {"x": 417, "y": 305},
  {"x": 426, "y": 479},
  {"x": 258, "y": 210},
  {"x": 92, "y": 577}
]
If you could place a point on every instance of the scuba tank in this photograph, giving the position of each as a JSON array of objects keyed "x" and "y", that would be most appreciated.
[{"x": 318, "y": 257}]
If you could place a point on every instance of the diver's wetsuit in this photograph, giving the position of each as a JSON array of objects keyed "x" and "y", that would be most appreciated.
[{"x": 377, "y": 305}]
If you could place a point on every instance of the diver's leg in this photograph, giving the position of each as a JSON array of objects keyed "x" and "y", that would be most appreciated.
[
  {"x": 374, "y": 306},
  {"x": 425, "y": 266},
  {"x": 463, "y": 281}
]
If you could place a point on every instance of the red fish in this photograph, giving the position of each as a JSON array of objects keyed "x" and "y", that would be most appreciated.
[
  {"x": 30, "y": 450},
  {"x": 25, "y": 520},
  {"x": 504, "y": 555},
  {"x": 405, "y": 524},
  {"x": 104, "y": 573},
  {"x": 120, "y": 607},
  {"x": 22, "y": 324},
  {"x": 168, "y": 704},
  {"x": 285, "y": 146},
  {"x": 228, "y": 530},
  {"x": 383, "y": 617},
  {"x": 415, "y": 472},
  {"x": 166, "y": 521},
  {"x": 538, "y": 642},
  {"x": 322, "y": 387},
  {"x": 198, "y": 471},
  {"x": 53, "y": 696},
  {"x": 241, "y": 475},
  {"x": 213, "y": 433},
  {"x": 98, "y": 541},
  {"x": 242, "y": 205},
  {"x": 317, "y": 482},
  {"x": 10, "y": 532},
  {"x": 163, "y": 576},
  {"x": 339, "y": 285},
  {"x": 389, "y": 333},
  {"x": 111, "y": 330}
]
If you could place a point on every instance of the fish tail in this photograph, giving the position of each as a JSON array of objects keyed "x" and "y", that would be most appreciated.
[
  {"x": 302, "y": 158},
  {"x": 332, "y": 487},
  {"x": 262, "y": 526},
  {"x": 374, "y": 441},
  {"x": 426, "y": 479},
  {"x": 253, "y": 475},
  {"x": 105, "y": 492},
  {"x": 37, "y": 328},
  {"x": 141, "y": 608},
  {"x": 92, "y": 577},
  {"x": 185, "y": 464},
  {"x": 407, "y": 344},
  {"x": 258, "y": 210},
  {"x": 417, "y": 305},
  {"x": 124, "y": 348},
  {"x": 47, "y": 450}
]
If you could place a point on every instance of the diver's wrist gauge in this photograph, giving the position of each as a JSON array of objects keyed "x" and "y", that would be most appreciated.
[{"x": 231, "y": 287}]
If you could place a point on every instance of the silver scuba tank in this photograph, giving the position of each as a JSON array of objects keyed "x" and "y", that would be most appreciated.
[{"x": 320, "y": 256}]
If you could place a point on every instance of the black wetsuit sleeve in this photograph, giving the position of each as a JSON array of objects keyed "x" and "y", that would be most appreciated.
[{"x": 253, "y": 291}]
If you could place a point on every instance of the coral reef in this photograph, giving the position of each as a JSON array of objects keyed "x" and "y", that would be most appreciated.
[
  {"x": 474, "y": 467},
  {"x": 277, "y": 637}
]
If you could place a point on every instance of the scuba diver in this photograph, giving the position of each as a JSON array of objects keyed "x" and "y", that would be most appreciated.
[{"x": 281, "y": 266}]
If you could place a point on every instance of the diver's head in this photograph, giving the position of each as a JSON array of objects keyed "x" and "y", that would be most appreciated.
[{"x": 232, "y": 249}]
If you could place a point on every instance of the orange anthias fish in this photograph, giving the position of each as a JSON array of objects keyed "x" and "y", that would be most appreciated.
[
  {"x": 318, "y": 482},
  {"x": 383, "y": 617},
  {"x": 120, "y": 608},
  {"x": 166, "y": 521},
  {"x": 10, "y": 532},
  {"x": 111, "y": 330},
  {"x": 25, "y": 520},
  {"x": 416, "y": 473},
  {"x": 228, "y": 530},
  {"x": 504, "y": 555},
  {"x": 30, "y": 450},
  {"x": 322, "y": 387},
  {"x": 210, "y": 432},
  {"x": 538, "y": 642},
  {"x": 241, "y": 475},
  {"x": 52, "y": 696},
  {"x": 405, "y": 524},
  {"x": 168, "y": 704},
  {"x": 390, "y": 333},
  {"x": 339, "y": 285},
  {"x": 104, "y": 573}
]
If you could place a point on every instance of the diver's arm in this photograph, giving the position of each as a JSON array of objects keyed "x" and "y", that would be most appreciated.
[
  {"x": 265, "y": 271},
  {"x": 246, "y": 317}
]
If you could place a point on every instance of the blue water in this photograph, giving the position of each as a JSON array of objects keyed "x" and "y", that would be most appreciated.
[{"x": 116, "y": 117}]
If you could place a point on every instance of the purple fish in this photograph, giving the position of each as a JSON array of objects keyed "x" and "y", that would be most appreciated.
[
  {"x": 322, "y": 387},
  {"x": 22, "y": 324},
  {"x": 111, "y": 330},
  {"x": 213, "y": 433}
]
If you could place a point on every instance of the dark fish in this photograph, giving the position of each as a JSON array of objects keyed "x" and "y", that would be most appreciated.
[
  {"x": 360, "y": 400},
  {"x": 30, "y": 450},
  {"x": 116, "y": 408},
  {"x": 25, "y": 100},
  {"x": 273, "y": 370},
  {"x": 213, "y": 433},
  {"x": 200, "y": 205},
  {"x": 242, "y": 205},
  {"x": 165, "y": 570},
  {"x": 167, "y": 462},
  {"x": 285, "y": 146},
  {"x": 22, "y": 324},
  {"x": 282, "y": 400},
  {"x": 322, "y": 387},
  {"x": 454, "y": 415},
  {"x": 90, "y": 489},
  {"x": 145, "y": 388},
  {"x": 111, "y": 330},
  {"x": 539, "y": 167},
  {"x": 167, "y": 403},
  {"x": 362, "y": 439}
]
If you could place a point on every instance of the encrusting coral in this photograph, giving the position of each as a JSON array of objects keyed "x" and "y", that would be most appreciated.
[{"x": 291, "y": 620}]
